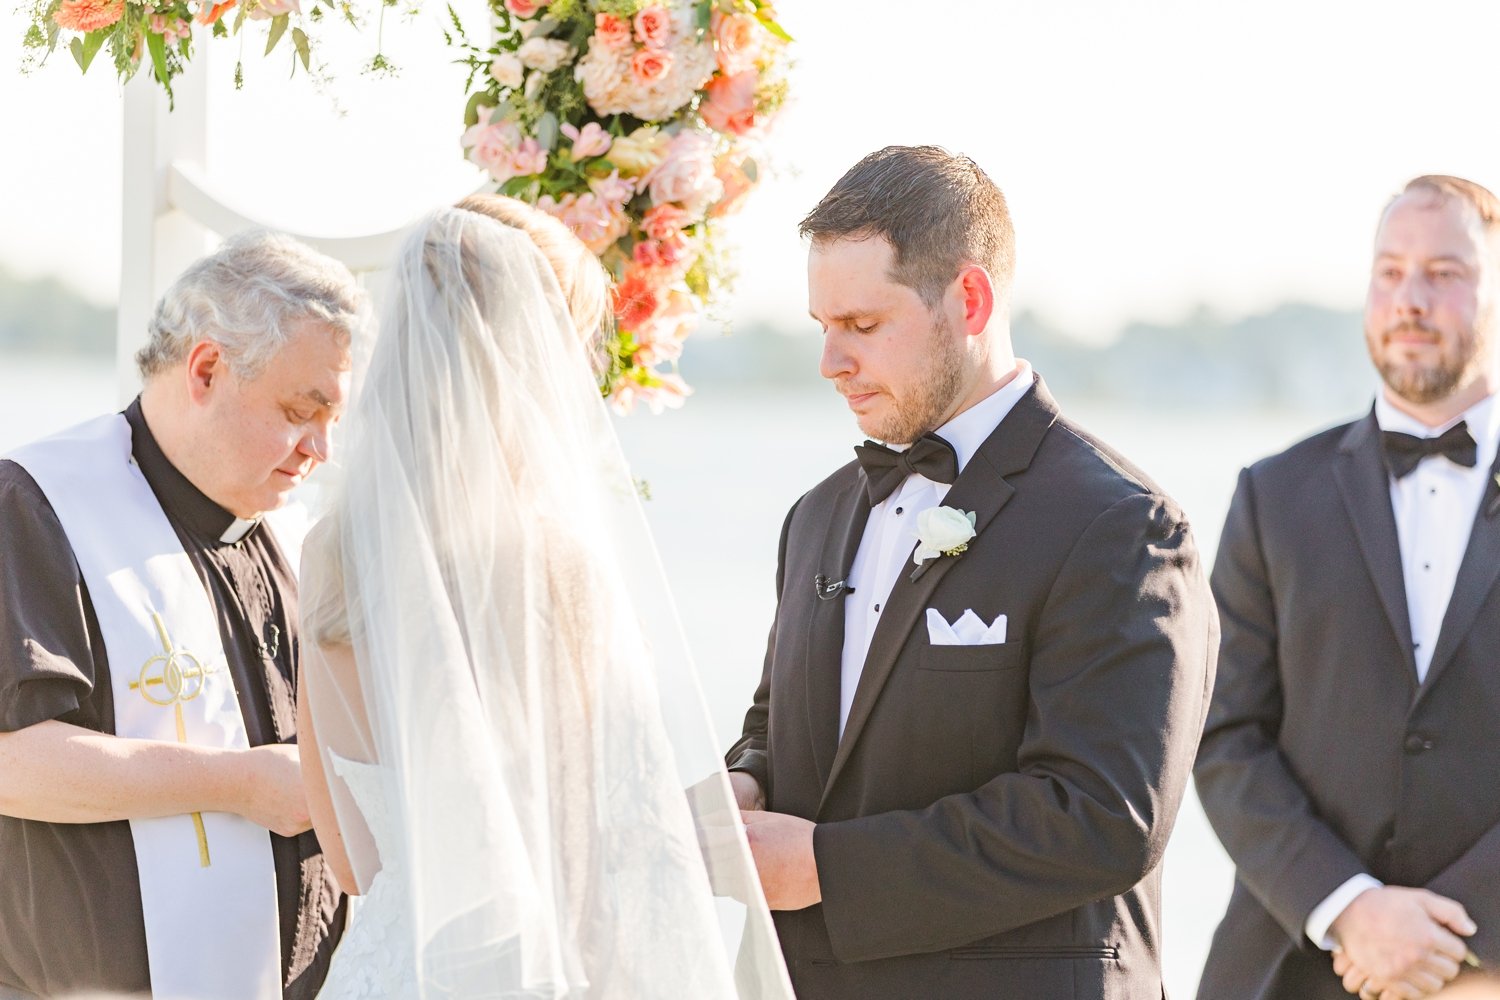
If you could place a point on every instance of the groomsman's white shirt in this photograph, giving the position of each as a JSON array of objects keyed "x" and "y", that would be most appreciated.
[
  {"x": 1435, "y": 506},
  {"x": 890, "y": 535}
]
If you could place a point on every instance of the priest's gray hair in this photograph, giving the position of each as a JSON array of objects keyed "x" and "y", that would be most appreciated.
[{"x": 249, "y": 297}]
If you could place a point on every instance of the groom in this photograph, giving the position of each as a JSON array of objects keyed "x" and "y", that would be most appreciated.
[
  {"x": 153, "y": 829},
  {"x": 963, "y": 762}
]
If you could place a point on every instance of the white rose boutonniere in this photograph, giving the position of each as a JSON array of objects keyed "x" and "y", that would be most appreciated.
[{"x": 943, "y": 531}]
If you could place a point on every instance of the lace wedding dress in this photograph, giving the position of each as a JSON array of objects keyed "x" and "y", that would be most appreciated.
[{"x": 374, "y": 959}]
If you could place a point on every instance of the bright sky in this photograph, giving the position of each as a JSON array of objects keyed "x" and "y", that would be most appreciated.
[{"x": 1156, "y": 154}]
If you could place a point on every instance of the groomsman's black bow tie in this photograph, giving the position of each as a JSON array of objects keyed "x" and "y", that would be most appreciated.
[
  {"x": 885, "y": 468},
  {"x": 1403, "y": 451}
]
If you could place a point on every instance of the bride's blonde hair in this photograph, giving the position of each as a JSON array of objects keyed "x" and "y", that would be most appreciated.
[{"x": 585, "y": 285}]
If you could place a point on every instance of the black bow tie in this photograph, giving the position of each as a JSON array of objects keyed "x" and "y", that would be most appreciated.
[
  {"x": 1404, "y": 451},
  {"x": 885, "y": 468}
]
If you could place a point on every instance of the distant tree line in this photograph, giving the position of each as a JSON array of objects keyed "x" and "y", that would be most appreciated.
[
  {"x": 47, "y": 317},
  {"x": 1282, "y": 357}
]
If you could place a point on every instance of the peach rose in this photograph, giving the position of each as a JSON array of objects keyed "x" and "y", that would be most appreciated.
[
  {"x": 591, "y": 140},
  {"x": 210, "y": 12},
  {"x": 662, "y": 222},
  {"x": 730, "y": 170},
  {"x": 737, "y": 39},
  {"x": 730, "y": 106},
  {"x": 611, "y": 31},
  {"x": 653, "y": 26},
  {"x": 650, "y": 65},
  {"x": 88, "y": 15},
  {"x": 525, "y": 8}
]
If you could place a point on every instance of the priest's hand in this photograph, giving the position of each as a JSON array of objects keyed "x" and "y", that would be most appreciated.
[
  {"x": 747, "y": 793},
  {"x": 783, "y": 850},
  {"x": 273, "y": 794},
  {"x": 1397, "y": 943}
]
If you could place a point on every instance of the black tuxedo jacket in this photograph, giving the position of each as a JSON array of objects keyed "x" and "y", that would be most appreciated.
[
  {"x": 991, "y": 823},
  {"x": 1323, "y": 757}
]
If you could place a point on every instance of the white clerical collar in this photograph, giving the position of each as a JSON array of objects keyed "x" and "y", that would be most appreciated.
[
  {"x": 971, "y": 428},
  {"x": 1483, "y": 419},
  {"x": 237, "y": 530}
]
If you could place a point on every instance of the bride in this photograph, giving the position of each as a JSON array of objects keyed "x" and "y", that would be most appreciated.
[{"x": 514, "y": 764}]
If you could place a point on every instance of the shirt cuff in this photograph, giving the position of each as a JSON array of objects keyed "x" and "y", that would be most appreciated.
[{"x": 1326, "y": 912}]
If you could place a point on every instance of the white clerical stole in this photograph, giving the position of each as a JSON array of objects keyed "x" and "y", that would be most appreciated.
[{"x": 208, "y": 881}]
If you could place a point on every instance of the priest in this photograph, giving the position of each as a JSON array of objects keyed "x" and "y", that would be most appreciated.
[{"x": 154, "y": 836}]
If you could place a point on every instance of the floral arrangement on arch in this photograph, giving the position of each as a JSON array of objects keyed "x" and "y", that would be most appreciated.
[
  {"x": 635, "y": 123},
  {"x": 133, "y": 30}
]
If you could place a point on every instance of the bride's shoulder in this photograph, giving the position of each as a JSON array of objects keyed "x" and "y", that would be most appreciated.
[{"x": 325, "y": 615}]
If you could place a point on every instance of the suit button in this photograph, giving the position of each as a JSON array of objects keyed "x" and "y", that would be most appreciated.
[{"x": 1416, "y": 743}]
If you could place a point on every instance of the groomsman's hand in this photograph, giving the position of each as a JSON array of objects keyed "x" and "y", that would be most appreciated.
[
  {"x": 1398, "y": 943},
  {"x": 747, "y": 793},
  {"x": 272, "y": 794},
  {"x": 783, "y": 849}
]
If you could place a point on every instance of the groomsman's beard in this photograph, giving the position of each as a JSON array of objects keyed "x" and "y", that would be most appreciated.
[
  {"x": 927, "y": 401},
  {"x": 1424, "y": 384}
]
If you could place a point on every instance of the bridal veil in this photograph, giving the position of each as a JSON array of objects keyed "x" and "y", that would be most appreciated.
[{"x": 557, "y": 804}]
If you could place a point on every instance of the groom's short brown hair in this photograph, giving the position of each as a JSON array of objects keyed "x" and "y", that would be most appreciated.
[{"x": 938, "y": 211}]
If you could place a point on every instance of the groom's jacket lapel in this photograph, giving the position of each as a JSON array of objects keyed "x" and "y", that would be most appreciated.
[
  {"x": 982, "y": 489},
  {"x": 825, "y": 634}
]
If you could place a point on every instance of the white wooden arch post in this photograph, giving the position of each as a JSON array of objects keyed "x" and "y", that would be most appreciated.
[{"x": 172, "y": 214}]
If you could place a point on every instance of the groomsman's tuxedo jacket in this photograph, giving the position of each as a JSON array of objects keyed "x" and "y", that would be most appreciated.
[
  {"x": 992, "y": 821},
  {"x": 1323, "y": 757}
]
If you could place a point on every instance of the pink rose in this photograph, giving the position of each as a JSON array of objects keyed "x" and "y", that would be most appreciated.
[
  {"x": 737, "y": 40},
  {"x": 266, "y": 9},
  {"x": 662, "y": 222},
  {"x": 614, "y": 189},
  {"x": 529, "y": 158},
  {"x": 490, "y": 145},
  {"x": 611, "y": 32},
  {"x": 653, "y": 26},
  {"x": 596, "y": 222},
  {"x": 730, "y": 106},
  {"x": 645, "y": 254},
  {"x": 686, "y": 176},
  {"x": 591, "y": 140},
  {"x": 525, "y": 8},
  {"x": 650, "y": 65},
  {"x": 171, "y": 30}
]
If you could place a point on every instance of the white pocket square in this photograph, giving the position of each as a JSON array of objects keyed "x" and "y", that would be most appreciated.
[{"x": 969, "y": 630}]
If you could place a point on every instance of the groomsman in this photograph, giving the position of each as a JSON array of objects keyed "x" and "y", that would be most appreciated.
[
  {"x": 154, "y": 834},
  {"x": 993, "y": 642},
  {"x": 1350, "y": 758}
]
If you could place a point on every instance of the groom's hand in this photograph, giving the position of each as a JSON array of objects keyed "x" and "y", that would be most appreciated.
[
  {"x": 783, "y": 849},
  {"x": 1399, "y": 943},
  {"x": 747, "y": 793}
]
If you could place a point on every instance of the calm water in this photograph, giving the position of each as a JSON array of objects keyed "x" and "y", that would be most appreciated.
[{"x": 723, "y": 473}]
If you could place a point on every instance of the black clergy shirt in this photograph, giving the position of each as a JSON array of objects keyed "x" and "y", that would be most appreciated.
[{"x": 70, "y": 905}]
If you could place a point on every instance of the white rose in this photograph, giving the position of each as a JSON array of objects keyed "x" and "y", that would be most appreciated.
[
  {"x": 942, "y": 531},
  {"x": 545, "y": 54},
  {"x": 507, "y": 70},
  {"x": 534, "y": 83}
]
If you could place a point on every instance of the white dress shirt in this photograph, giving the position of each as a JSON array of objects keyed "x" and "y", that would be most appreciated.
[
  {"x": 885, "y": 549},
  {"x": 1435, "y": 506}
]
